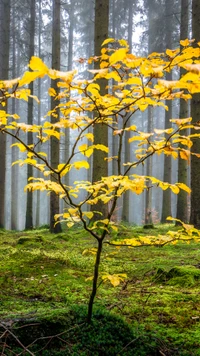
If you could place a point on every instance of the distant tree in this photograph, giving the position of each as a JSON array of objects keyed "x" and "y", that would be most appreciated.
[
  {"x": 4, "y": 73},
  {"x": 100, "y": 166},
  {"x": 127, "y": 155},
  {"x": 15, "y": 153},
  {"x": 182, "y": 199},
  {"x": 167, "y": 175},
  {"x": 29, "y": 202},
  {"x": 195, "y": 113},
  {"x": 54, "y": 199}
]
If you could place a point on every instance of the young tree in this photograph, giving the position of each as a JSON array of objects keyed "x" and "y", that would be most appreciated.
[{"x": 139, "y": 84}]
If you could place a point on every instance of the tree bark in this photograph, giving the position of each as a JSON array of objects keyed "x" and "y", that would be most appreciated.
[
  {"x": 29, "y": 202},
  {"x": 4, "y": 71},
  {"x": 100, "y": 167},
  {"x": 195, "y": 113},
  {"x": 166, "y": 205},
  {"x": 54, "y": 199},
  {"x": 182, "y": 206}
]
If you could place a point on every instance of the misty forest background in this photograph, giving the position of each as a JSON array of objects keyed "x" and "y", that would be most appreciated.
[{"x": 38, "y": 27}]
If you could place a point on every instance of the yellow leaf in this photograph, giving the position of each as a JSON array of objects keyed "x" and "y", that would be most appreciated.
[
  {"x": 114, "y": 279},
  {"x": 135, "y": 138},
  {"x": 193, "y": 68},
  {"x": 29, "y": 77},
  {"x": 100, "y": 147},
  {"x": 159, "y": 132},
  {"x": 185, "y": 43},
  {"x": 15, "y": 116},
  {"x": 123, "y": 42},
  {"x": 64, "y": 169},
  {"x": 21, "y": 147},
  {"x": 134, "y": 80},
  {"x": 52, "y": 133},
  {"x": 163, "y": 185},
  {"x": 184, "y": 187},
  {"x": 172, "y": 52},
  {"x": 88, "y": 214},
  {"x": 90, "y": 137},
  {"x": 70, "y": 224},
  {"x": 118, "y": 55},
  {"x": 94, "y": 89},
  {"x": 65, "y": 76},
  {"x": 108, "y": 40},
  {"x": 7, "y": 84},
  {"x": 181, "y": 121},
  {"x": 23, "y": 94},
  {"x": 81, "y": 164},
  {"x": 175, "y": 189},
  {"x": 185, "y": 154},
  {"x": 52, "y": 92},
  {"x": 37, "y": 64}
]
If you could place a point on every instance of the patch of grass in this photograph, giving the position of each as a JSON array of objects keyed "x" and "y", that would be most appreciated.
[{"x": 43, "y": 277}]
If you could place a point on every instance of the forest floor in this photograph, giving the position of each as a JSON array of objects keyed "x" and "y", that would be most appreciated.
[{"x": 44, "y": 291}]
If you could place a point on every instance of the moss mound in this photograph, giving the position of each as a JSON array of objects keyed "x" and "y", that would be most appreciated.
[
  {"x": 184, "y": 276},
  {"x": 69, "y": 334}
]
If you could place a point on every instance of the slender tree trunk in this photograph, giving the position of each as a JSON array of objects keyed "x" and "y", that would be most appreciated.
[
  {"x": 4, "y": 70},
  {"x": 95, "y": 280},
  {"x": 54, "y": 199},
  {"x": 195, "y": 113},
  {"x": 29, "y": 202},
  {"x": 182, "y": 206},
  {"x": 148, "y": 198}
]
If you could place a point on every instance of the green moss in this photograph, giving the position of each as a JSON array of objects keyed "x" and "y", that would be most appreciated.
[
  {"x": 183, "y": 276},
  {"x": 42, "y": 277}
]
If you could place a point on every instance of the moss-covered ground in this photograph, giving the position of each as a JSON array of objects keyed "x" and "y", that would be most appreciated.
[{"x": 44, "y": 292}]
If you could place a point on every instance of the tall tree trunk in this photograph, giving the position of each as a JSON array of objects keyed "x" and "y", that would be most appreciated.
[
  {"x": 4, "y": 69},
  {"x": 148, "y": 195},
  {"x": 37, "y": 215},
  {"x": 126, "y": 195},
  {"x": 54, "y": 199},
  {"x": 166, "y": 206},
  {"x": 14, "y": 169},
  {"x": 100, "y": 167},
  {"x": 29, "y": 202},
  {"x": 195, "y": 113},
  {"x": 182, "y": 206}
]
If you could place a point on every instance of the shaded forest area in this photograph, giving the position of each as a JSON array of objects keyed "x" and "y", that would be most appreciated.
[{"x": 99, "y": 124}]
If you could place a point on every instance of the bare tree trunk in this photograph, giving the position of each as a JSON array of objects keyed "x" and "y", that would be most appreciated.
[
  {"x": 182, "y": 206},
  {"x": 29, "y": 202},
  {"x": 14, "y": 169},
  {"x": 4, "y": 69},
  {"x": 37, "y": 215},
  {"x": 126, "y": 195},
  {"x": 195, "y": 113},
  {"x": 54, "y": 199},
  {"x": 166, "y": 206},
  {"x": 100, "y": 167}
]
